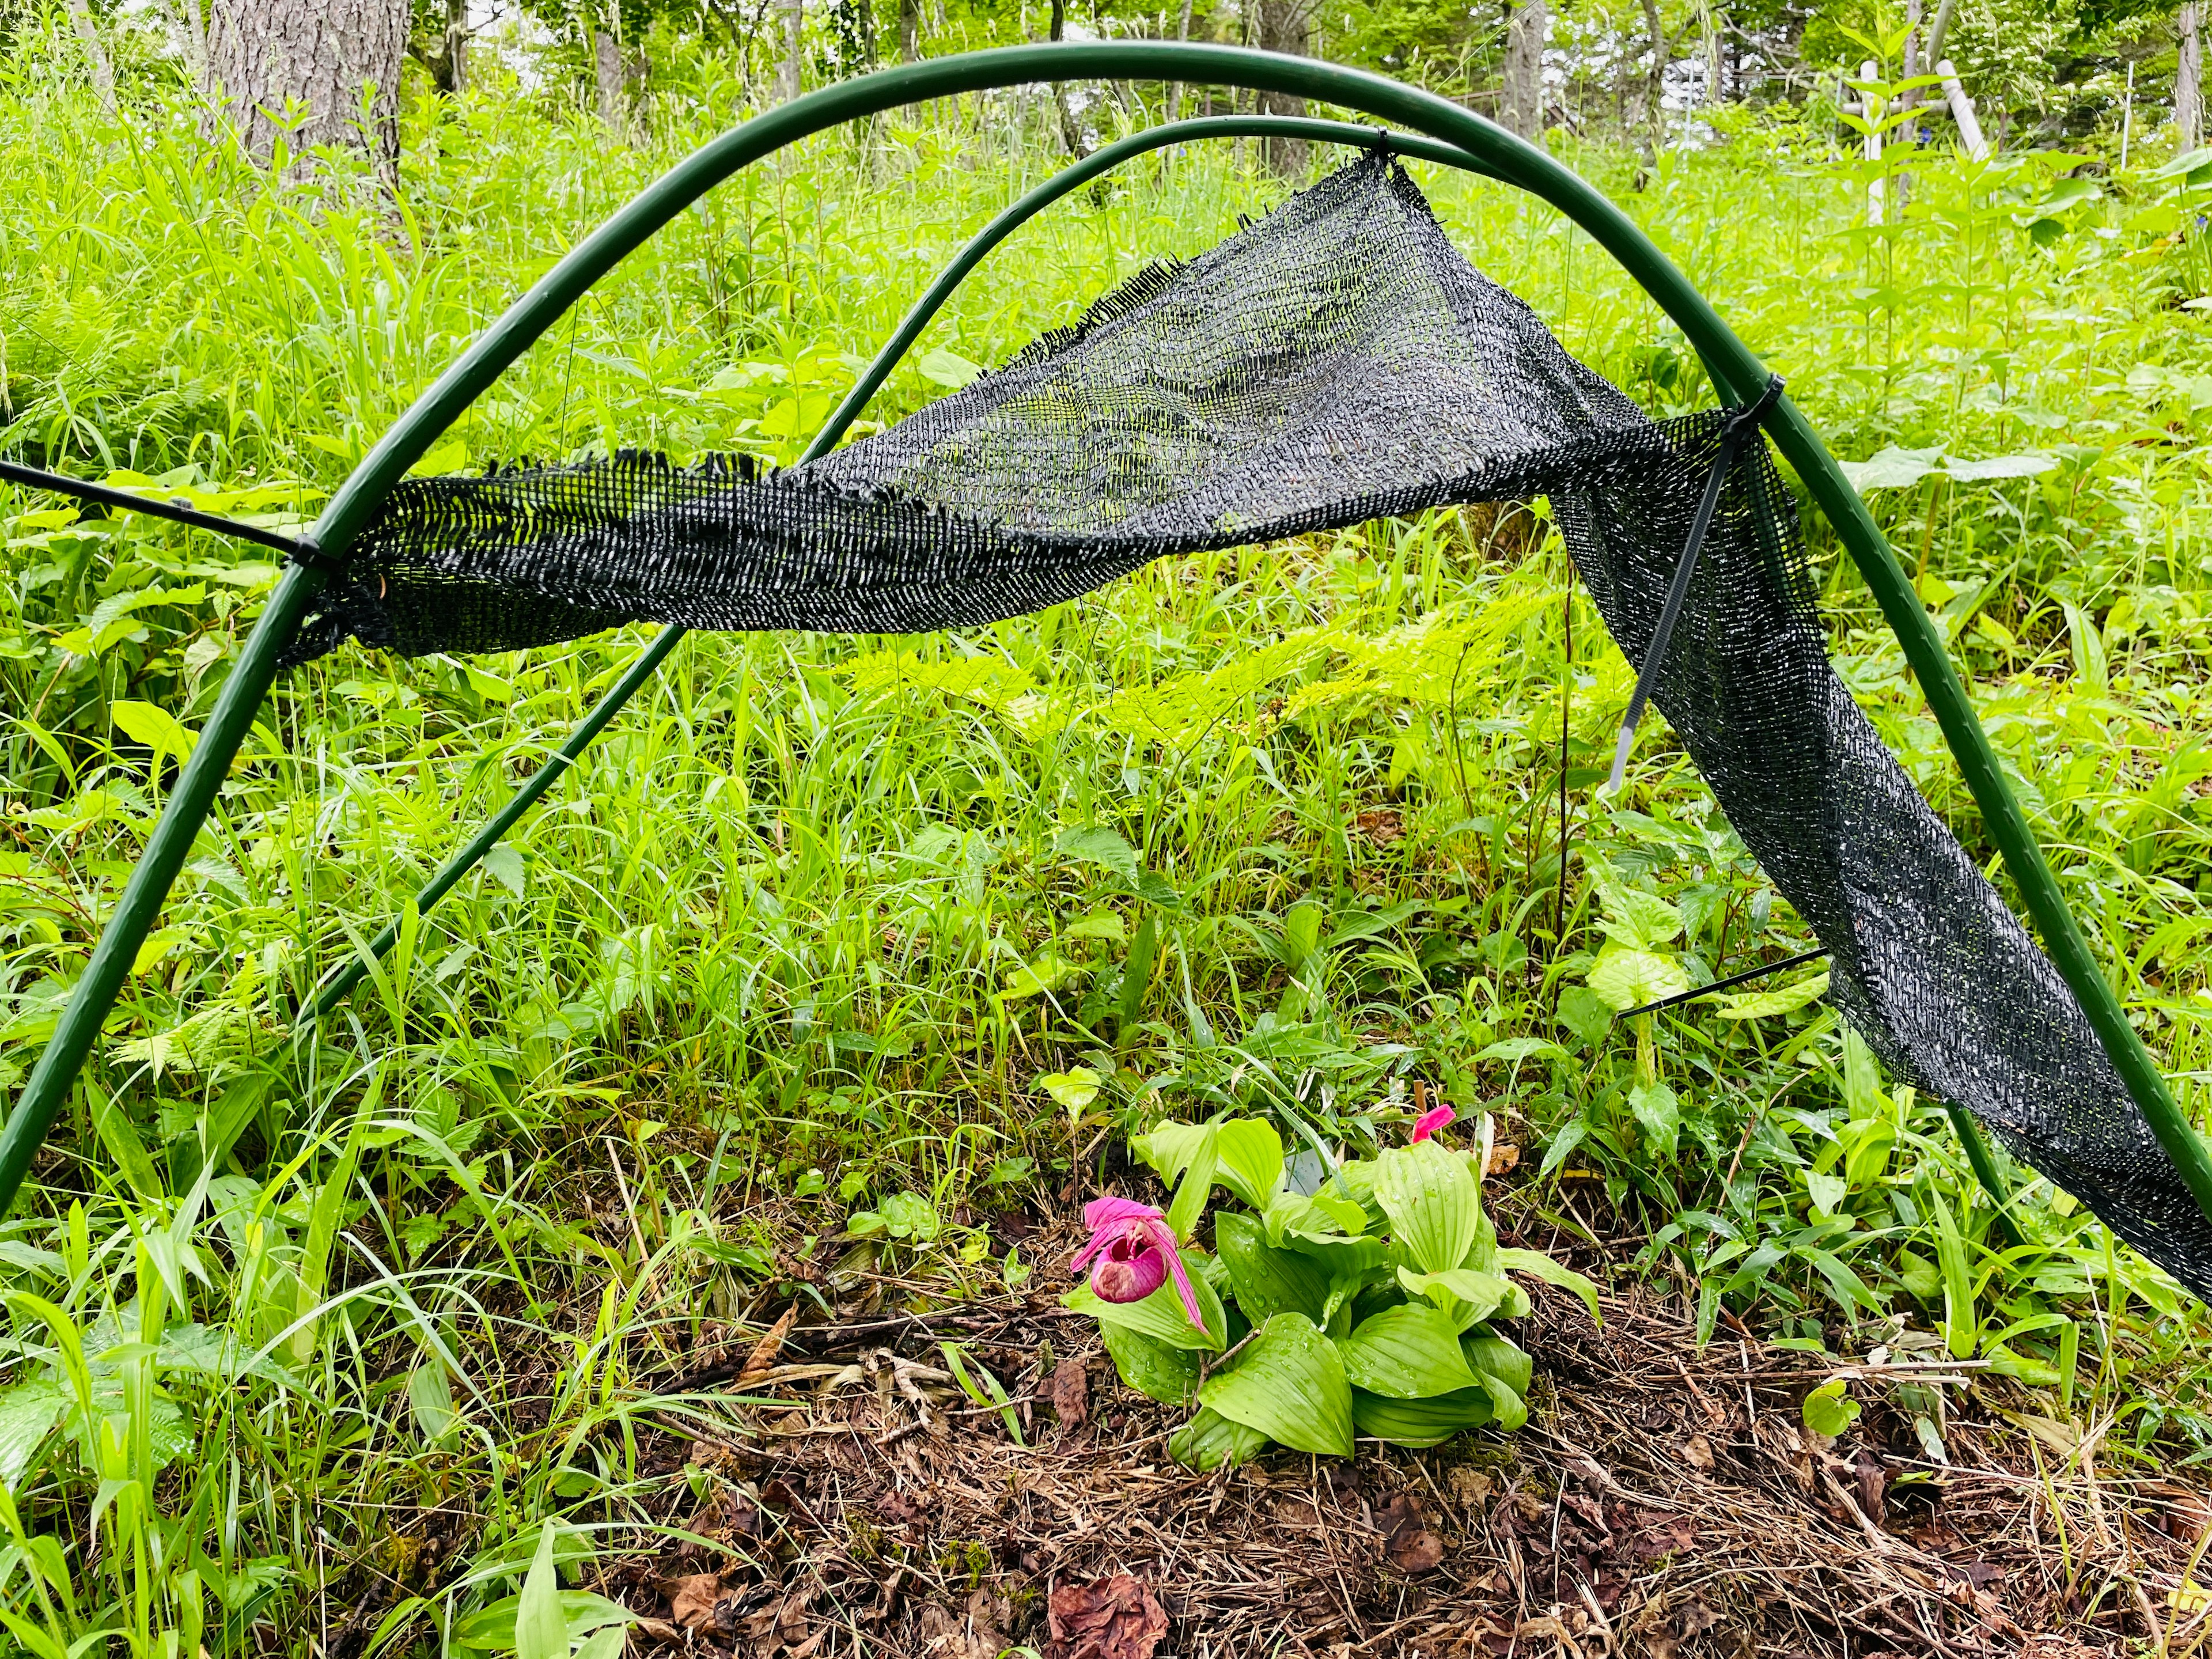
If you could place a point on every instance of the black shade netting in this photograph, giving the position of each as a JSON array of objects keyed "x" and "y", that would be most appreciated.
[{"x": 1337, "y": 361}]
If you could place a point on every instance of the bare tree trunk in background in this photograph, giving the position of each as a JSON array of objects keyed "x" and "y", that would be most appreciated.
[
  {"x": 1654, "y": 85},
  {"x": 101, "y": 72},
  {"x": 1175, "y": 88},
  {"x": 448, "y": 61},
  {"x": 325, "y": 54},
  {"x": 909, "y": 31},
  {"x": 195, "y": 58},
  {"x": 2189, "y": 77},
  {"x": 1070, "y": 130},
  {"x": 1285, "y": 28},
  {"x": 790, "y": 78},
  {"x": 1523, "y": 110},
  {"x": 607, "y": 75}
]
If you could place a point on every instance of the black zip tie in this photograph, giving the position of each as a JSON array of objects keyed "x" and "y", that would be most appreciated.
[
  {"x": 299, "y": 550},
  {"x": 1741, "y": 423},
  {"x": 1733, "y": 980}
]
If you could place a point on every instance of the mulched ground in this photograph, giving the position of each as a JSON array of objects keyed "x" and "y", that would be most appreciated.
[{"x": 849, "y": 1499}]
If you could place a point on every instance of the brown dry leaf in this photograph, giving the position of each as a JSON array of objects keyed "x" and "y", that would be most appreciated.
[
  {"x": 984, "y": 1637},
  {"x": 691, "y": 1599},
  {"x": 1410, "y": 1545},
  {"x": 1504, "y": 1158},
  {"x": 761, "y": 1360},
  {"x": 1071, "y": 1392},
  {"x": 1112, "y": 1618},
  {"x": 1698, "y": 1453},
  {"x": 1469, "y": 1487},
  {"x": 1382, "y": 826},
  {"x": 1698, "y": 1618},
  {"x": 658, "y": 1630}
]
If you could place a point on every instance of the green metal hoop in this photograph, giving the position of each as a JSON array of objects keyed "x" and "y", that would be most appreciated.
[{"x": 1737, "y": 373}]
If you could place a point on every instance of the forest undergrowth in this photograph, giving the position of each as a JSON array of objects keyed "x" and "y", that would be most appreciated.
[{"x": 904, "y": 935}]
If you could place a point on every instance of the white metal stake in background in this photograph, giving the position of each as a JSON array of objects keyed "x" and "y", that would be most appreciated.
[
  {"x": 1872, "y": 103},
  {"x": 2127, "y": 115},
  {"x": 1962, "y": 112}
]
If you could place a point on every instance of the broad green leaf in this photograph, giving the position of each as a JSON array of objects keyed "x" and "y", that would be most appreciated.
[
  {"x": 156, "y": 727},
  {"x": 1074, "y": 1089},
  {"x": 1251, "y": 1159},
  {"x": 541, "y": 1629},
  {"x": 1160, "y": 1316},
  {"x": 1625, "y": 978},
  {"x": 1537, "y": 1265},
  {"x": 1188, "y": 1206},
  {"x": 1168, "y": 1147},
  {"x": 1891, "y": 468},
  {"x": 1101, "y": 846},
  {"x": 1830, "y": 1409},
  {"x": 1047, "y": 972},
  {"x": 504, "y": 864},
  {"x": 28, "y": 1412},
  {"x": 1152, "y": 1368},
  {"x": 1289, "y": 1383},
  {"x": 120, "y": 1138},
  {"x": 1495, "y": 1357},
  {"x": 1999, "y": 466},
  {"x": 1433, "y": 1203},
  {"x": 1659, "y": 1115},
  {"x": 1506, "y": 1401},
  {"x": 1523, "y": 1047},
  {"x": 1268, "y": 1280},
  {"x": 1635, "y": 918},
  {"x": 1420, "y": 1422},
  {"x": 1209, "y": 1440},
  {"x": 947, "y": 368},
  {"x": 1782, "y": 999},
  {"x": 1468, "y": 1294},
  {"x": 1826, "y": 1191},
  {"x": 491, "y": 1629},
  {"x": 1409, "y": 1353}
]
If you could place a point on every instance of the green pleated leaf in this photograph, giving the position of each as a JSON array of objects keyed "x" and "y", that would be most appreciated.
[
  {"x": 1496, "y": 1357},
  {"x": 1250, "y": 1160},
  {"x": 1267, "y": 1281},
  {"x": 1289, "y": 1383},
  {"x": 1160, "y": 1316},
  {"x": 1537, "y": 1265},
  {"x": 1189, "y": 1205},
  {"x": 1409, "y": 1353},
  {"x": 1420, "y": 1422},
  {"x": 1209, "y": 1440},
  {"x": 1152, "y": 1367},
  {"x": 1433, "y": 1203},
  {"x": 1466, "y": 1294}
]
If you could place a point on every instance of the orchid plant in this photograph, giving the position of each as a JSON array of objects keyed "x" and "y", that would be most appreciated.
[{"x": 1367, "y": 1307}]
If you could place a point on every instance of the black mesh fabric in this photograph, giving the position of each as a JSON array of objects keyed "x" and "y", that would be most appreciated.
[{"x": 1337, "y": 361}]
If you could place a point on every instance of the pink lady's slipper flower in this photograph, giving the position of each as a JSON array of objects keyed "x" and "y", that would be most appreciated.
[
  {"x": 1131, "y": 1254},
  {"x": 1432, "y": 1120}
]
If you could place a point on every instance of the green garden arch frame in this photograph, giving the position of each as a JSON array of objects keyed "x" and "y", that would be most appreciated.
[{"x": 1470, "y": 141}]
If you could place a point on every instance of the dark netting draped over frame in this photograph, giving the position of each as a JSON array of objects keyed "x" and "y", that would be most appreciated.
[{"x": 1337, "y": 361}]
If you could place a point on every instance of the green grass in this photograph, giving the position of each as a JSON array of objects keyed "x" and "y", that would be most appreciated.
[{"x": 814, "y": 918}]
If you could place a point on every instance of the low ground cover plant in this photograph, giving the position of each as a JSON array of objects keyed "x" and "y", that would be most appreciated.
[{"x": 1362, "y": 1300}]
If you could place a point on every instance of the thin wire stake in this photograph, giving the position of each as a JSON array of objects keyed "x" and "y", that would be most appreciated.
[
  {"x": 1742, "y": 424},
  {"x": 1566, "y": 701}
]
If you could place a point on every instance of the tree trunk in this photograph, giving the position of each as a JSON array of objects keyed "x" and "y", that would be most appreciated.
[
  {"x": 327, "y": 54},
  {"x": 1285, "y": 28},
  {"x": 100, "y": 72},
  {"x": 1649, "y": 117},
  {"x": 909, "y": 31},
  {"x": 2189, "y": 77},
  {"x": 1070, "y": 130},
  {"x": 450, "y": 68},
  {"x": 1175, "y": 91},
  {"x": 790, "y": 79},
  {"x": 1523, "y": 110}
]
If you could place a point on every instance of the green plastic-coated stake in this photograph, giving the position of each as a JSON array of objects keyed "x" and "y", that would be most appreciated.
[
  {"x": 350, "y": 972},
  {"x": 1737, "y": 373}
]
